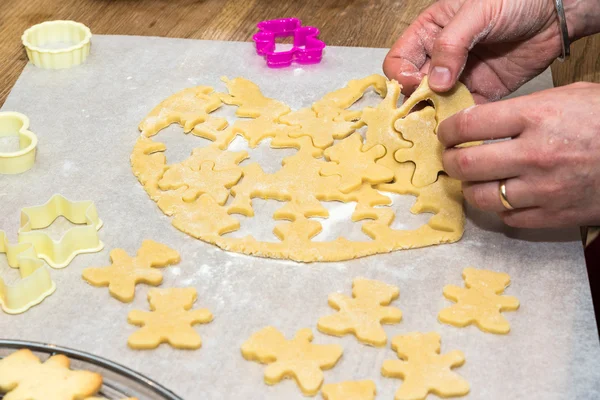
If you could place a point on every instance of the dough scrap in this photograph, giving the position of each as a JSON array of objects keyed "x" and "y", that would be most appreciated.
[
  {"x": 350, "y": 390},
  {"x": 24, "y": 377},
  {"x": 126, "y": 272},
  {"x": 422, "y": 368},
  {"x": 363, "y": 313},
  {"x": 169, "y": 321},
  {"x": 297, "y": 358},
  {"x": 480, "y": 303},
  {"x": 197, "y": 192}
]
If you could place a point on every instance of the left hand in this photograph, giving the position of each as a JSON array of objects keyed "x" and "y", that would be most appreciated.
[{"x": 551, "y": 163}]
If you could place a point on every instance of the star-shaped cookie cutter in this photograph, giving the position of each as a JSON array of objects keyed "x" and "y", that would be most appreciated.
[
  {"x": 77, "y": 240},
  {"x": 307, "y": 48},
  {"x": 35, "y": 284},
  {"x": 16, "y": 162}
]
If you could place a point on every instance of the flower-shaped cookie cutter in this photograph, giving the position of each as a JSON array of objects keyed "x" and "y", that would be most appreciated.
[
  {"x": 16, "y": 162},
  {"x": 35, "y": 284},
  {"x": 77, "y": 240},
  {"x": 307, "y": 48},
  {"x": 57, "y": 44}
]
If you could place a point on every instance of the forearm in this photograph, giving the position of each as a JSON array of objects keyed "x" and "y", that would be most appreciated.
[{"x": 583, "y": 17}]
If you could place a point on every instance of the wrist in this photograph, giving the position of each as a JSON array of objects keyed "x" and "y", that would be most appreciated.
[{"x": 583, "y": 17}]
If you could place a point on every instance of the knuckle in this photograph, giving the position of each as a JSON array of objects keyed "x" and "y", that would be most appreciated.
[
  {"x": 511, "y": 220},
  {"x": 464, "y": 163},
  {"x": 444, "y": 44},
  {"x": 477, "y": 196},
  {"x": 542, "y": 159}
]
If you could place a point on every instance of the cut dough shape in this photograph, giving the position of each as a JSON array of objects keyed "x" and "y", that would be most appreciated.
[
  {"x": 422, "y": 368},
  {"x": 355, "y": 166},
  {"x": 196, "y": 192},
  {"x": 24, "y": 377},
  {"x": 480, "y": 303},
  {"x": 363, "y": 313},
  {"x": 125, "y": 272},
  {"x": 351, "y": 390},
  {"x": 297, "y": 358},
  {"x": 426, "y": 151},
  {"x": 170, "y": 320}
]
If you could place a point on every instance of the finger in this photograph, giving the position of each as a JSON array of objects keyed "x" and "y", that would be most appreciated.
[
  {"x": 486, "y": 162},
  {"x": 405, "y": 60},
  {"x": 537, "y": 217},
  {"x": 482, "y": 122},
  {"x": 486, "y": 195},
  {"x": 451, "y": 47}
]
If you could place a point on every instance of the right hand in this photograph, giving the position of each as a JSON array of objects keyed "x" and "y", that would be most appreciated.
[{"x": 500, "y": 44}]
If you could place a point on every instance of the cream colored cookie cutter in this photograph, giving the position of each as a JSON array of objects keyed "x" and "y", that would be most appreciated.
[
  {"x": 77, "y": 240},
  {"x": 35, "y": 284},
  {"x": 57, "y": 44},
  {"x": 16, "y": 162}
]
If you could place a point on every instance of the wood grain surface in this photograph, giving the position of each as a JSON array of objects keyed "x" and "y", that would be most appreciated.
[{"x": 368, "y": 23}]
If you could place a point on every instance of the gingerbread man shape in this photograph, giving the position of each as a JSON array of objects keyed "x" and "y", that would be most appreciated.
[
  {"x": 170, "y": 320},
  {"x": 297, "y": 358},
  {"x": 422, "y": 368},
  {"x": 24, "y": 377},
  {"x": 364, "y": 313},
  {"x": 125, "y": 272},
  {"x": 480, "y": 303}
]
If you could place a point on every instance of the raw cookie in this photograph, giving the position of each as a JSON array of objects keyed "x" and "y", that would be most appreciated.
[
  {"x": 364, "y": 313},
  {"x": 170, "y": 320},
  {"x": 422, "y": 369},
  {"x": 197, "y": 194},
  {"x": 480, "y": 303},
  {"x": 351, "y": 390},
  {"x": 125, "y": 272},
  {"x": 297, "y": 358},
  {"x": 24, "y": 377}
]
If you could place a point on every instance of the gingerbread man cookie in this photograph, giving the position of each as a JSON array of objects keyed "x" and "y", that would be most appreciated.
[
  {"x": 126, "y": 272},
  {"x": 297, "y": 358},
  {"x": 363, "y": 313},
  {"x": 480, "y": 303},
  {"x": 423, "y": 369},
  {"x": 170, "y": 320}
]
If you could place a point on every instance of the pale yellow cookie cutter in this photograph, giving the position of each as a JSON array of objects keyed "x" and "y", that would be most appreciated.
[
  {"x": 35, "y": 284},
  {"x": 39, "y": 39},
  {"x": 16, "y": 162},
  {"x": 77, "y": 240}
]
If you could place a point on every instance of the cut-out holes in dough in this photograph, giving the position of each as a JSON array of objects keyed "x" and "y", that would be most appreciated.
[
  {"x": 262, "y": 224},
  {"x": 179, "y": 145},
  {"x": 339, "y": 223},
  {"x": 270, "y": 159},
  {"x": 405, "y": 220},
  {"x": 369, "y": 99}
]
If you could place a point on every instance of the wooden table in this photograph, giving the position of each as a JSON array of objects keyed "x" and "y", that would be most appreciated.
[{"x": 369, "y": 23}]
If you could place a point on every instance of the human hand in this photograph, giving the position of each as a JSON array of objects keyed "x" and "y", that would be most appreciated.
[
  {"x": 500, "y": 44},
  {"x": 552, "y": 162}
]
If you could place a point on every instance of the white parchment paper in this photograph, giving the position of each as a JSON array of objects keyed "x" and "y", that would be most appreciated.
[{"x": 86, "y": 119}]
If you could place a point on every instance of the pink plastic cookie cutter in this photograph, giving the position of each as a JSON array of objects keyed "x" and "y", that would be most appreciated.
[{"x": 307, "y": 48}]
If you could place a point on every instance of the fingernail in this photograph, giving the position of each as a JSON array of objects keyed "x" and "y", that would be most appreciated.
[{"x": 440, "y": 77}]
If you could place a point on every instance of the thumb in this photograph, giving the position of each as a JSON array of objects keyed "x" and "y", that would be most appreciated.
[{"x": 451, "y": 48}]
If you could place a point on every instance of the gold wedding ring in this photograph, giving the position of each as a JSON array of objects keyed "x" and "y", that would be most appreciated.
[{"x": 503, "y": 198}]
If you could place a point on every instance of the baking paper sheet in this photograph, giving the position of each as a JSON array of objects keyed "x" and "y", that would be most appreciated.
[{"x": 86, "y": 119}]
